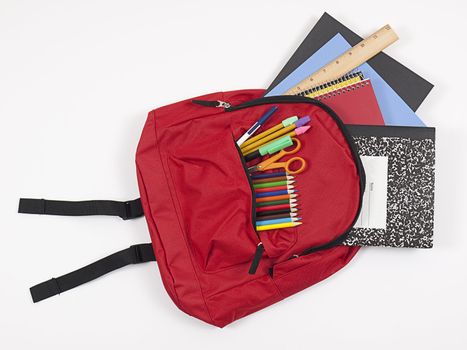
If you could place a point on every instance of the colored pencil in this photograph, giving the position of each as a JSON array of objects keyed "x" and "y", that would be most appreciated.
[
  {"x": 283, "y": 124},
  {"x": 274, "y": 212},
  {"x": 269, "y": 175},
  {"x": 276, "y": 198},
  {"x": 275, "y": 193},
  {"x": 276, "y": 221},
  {"x": 273, "y": 184},
  {"x": 276, "y": 216},
  {"x": 276, "y": 188},
  {"x": 283, "y": 201},
  {"x": 276, "y": 207},
  {"x": 273, "y": 179},
  {"x": 277, "y": 226}
]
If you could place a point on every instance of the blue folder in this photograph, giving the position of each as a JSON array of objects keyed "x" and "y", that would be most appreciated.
[{"x": 393, "y": 108}]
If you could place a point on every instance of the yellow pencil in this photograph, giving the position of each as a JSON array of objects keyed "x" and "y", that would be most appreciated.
[
  {"x": 296, "y": 132},
  {"x": 273, "y": 136},
  {"x": 276, "y": 226},
  {"x": 285, "y": 123}
]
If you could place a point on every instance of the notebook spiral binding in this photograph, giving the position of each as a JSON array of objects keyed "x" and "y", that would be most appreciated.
[
  {"x": 343, "y": 90},
  {"x": 329, "y": 84}
]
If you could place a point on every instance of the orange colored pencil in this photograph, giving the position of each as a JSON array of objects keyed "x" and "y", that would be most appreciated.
[{"x": 275, "y": 198}]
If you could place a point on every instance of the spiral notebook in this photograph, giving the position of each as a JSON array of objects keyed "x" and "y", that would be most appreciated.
[{"x": 354, "y": 103}]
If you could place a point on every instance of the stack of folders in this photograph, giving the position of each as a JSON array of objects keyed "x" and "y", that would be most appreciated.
[{"x": 378, "y": 99}]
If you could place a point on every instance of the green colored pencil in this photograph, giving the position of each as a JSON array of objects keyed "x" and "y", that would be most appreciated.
[
  {"x": 271, "y": 184},
  {"x": 283, "y": 201}
]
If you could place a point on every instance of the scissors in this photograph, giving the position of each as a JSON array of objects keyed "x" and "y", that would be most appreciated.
[{"x": 271, "y": 163}]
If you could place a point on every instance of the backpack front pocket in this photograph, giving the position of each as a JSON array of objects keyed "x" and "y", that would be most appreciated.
[{"x": 215, "y": 201}]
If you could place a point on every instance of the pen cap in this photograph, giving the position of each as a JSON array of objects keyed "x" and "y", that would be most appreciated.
[
  {"x": 302, "y": 121},
  {"x": 276, "y": 146},
  {"x": 266, "y": 115},
  {"x": 289, "y": 121}
]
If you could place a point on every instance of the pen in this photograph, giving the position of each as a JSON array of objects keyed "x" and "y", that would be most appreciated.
[{"x": 256, "y": 125}]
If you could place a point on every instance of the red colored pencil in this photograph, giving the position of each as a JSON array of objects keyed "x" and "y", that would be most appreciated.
[
  {"x": 277, "y": 188},
  {"x": 275, "y": 207}
]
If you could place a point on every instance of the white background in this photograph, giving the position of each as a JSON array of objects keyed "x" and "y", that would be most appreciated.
[{"x": 76, "y": 81}]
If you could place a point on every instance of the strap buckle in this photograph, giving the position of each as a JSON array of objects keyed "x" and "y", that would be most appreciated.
[
  {"x": 126, "y": 211},
  {"x": 137, "y": 256}
]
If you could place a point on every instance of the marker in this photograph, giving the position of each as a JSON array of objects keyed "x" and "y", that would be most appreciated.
[
  {"x": 285, "y": 123},
  {"x": 257, "y": 125},
  {"x": 276, "y": 221},
  {"x": 275, "y": 193},
  {"x": 276, "y": 226},
  {"x": 271, "y": 148},
  {"x": 255, "y": 145}
]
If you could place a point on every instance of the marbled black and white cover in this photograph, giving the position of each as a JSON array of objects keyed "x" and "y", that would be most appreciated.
[{"x": 410, "y": 185}]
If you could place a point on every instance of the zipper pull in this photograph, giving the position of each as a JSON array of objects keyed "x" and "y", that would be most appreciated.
[
  {"x": 219, "y": 104},
  {"x": 256, "y": 259}
]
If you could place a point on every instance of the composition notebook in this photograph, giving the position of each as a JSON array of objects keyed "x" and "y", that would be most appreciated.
[
  {"x": 398, "y": 203},
  {"x": 412, "y": 88},
  {"x": 354, "y": 103}
]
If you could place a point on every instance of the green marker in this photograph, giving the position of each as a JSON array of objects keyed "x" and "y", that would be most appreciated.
[{"x": 270, "y": 148}]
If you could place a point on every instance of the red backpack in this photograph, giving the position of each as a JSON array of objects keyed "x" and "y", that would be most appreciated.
[{"x": 199, "y": 204}]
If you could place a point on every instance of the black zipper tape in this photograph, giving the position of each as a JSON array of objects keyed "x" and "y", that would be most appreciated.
[
  {"x": 259, "y": 248},
  {"x": 250, "y": 182}
]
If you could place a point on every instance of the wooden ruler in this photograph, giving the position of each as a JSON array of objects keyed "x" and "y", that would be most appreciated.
[{"x": 349, "y": 60}]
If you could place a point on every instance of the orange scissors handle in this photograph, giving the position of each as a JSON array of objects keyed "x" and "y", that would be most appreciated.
[
  {"x": 271, "y": 163},
  {"x": 287, "y": 165},
  {"x": 294, "y": 150}
]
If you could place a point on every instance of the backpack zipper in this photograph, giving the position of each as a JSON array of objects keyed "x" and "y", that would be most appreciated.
[
  {"x": 353, "y": 149},
  {"x": 219, "y": 104}
]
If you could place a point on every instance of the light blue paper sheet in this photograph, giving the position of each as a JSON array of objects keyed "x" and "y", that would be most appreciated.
[{"x": 393, "y": 108}]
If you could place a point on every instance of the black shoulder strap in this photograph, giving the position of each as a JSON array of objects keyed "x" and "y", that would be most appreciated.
[
  {"x": 126, "y": 210},
  {"x": 133, "y": 255}
]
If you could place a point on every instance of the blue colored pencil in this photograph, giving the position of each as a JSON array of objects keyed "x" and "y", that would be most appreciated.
[
  {"x": 268, "y": 175},
  {"x": 276, "y": 221},
  {"x": 274, "y": 193}
]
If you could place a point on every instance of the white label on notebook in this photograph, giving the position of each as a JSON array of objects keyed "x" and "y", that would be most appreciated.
[{"x": 374, "y": 206}]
